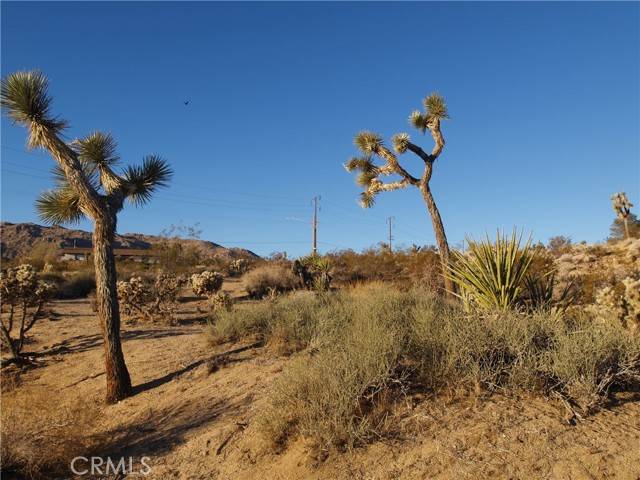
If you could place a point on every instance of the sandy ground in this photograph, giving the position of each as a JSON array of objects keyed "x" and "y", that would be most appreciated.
[{"x": 194, "y": 424}]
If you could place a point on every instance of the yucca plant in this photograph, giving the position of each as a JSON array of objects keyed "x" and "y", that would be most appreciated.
[
  {"x": 491, "y": 275},
  {"x": 540, "y": 293},
  {"x": 87, "y": 185},
  {"x": 370, "y": 176}
]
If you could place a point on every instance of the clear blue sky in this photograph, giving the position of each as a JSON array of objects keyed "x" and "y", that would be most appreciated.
[{"x": 543, "y": 97}]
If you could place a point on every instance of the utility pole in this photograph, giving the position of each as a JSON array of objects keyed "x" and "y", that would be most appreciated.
[
  {"x": 390, "y": 221},
  {"x": 314, "y": 225}
]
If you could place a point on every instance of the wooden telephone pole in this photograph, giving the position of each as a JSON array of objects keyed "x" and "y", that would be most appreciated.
[
  {"x": 390, "y": 221},
  {"x": 314, "y": 225}
]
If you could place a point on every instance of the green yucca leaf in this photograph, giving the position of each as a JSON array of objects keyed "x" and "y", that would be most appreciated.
[
  {"x": 25, "y": 98},
  {"x": 97, "y": 148},
  {"x": 59, "y": 206},
  {"x": 435, "y": 106},
  {"x": 368, "y": 142},
  {"x": 492, "y": 274},
  {"x": 143, "y": 180},
  {"x": 400, "y": 142}
]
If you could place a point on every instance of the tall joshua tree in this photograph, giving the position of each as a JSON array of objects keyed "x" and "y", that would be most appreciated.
[
  {"x": 370, "y": 176},
  {"x": 622, "y": 206},
  {"x": 86, "y": 186}
]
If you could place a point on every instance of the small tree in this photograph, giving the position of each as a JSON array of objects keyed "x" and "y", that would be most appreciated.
[
  {"x": 619, "y": 227},
  {"x": 87, "y": 186},
  {"x": 370, "y": 144},
  {"x": 24, "y": 296},
  {"x": 622, "y": 206}
]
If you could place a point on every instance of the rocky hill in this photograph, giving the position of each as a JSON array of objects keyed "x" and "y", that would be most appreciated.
[{"x": 18, "y": 239}]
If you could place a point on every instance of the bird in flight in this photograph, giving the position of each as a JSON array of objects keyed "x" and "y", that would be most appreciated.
[{"x": 186, "y": 102}]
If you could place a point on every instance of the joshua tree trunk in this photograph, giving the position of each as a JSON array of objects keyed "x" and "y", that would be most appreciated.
[
  {"x": 441, "y": 237},
  {"x": 118, "y": 379},
  {"x": 626, "y": 227}
]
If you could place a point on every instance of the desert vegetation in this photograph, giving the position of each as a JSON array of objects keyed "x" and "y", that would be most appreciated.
[{"x": 341, "y": 344}]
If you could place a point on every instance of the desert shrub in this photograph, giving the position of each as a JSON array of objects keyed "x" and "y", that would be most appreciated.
[
  {"x": 364, "y": 343},
  {"x": 269, "y": 278},
  {"x": 622, "y": 306},
  {"x": 39, "y": 438},
  {"x": 491, "y": 275},
  {"x": 238, "y": 266},
  {"x": 24, "y": 296},
  {"x": 559, "y": 245},
  {"x": 76, "y": 285},
  {"x": 150, "y": 300},
  {"x": 413, "y": 266},
  {"x": 338, "y": 398},
  {"x": 542, "y": 292},
  {"x": 314, "y": 272},
  {"x": 206, "y": 284},
  {"x": 222, "y": 301},
  {"x": 288, "y": 324}
]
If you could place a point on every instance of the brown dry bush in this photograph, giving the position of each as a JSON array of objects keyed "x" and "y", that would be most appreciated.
[
  {"x": 41, "y": 437},
  {"x": 416, "y": 265},
  {"x": 269, "y": 278}
]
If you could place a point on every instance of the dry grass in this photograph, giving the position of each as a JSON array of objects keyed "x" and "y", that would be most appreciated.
[
  {"x": 40, "y": 435},
  {"x": 364, "y": 344}
]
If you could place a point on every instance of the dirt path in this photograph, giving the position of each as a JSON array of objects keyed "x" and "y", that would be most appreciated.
[{"x": 194, "y": 424}]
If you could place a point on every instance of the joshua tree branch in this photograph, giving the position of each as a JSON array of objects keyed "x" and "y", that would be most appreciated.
[
  {"x": 378, "y": 186},
  {"x": 68, "y": 160},
  {"x": 392, "y": 161}
]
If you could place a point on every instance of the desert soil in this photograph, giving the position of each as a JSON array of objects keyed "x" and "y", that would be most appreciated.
[{"x": 197, "y": 424}]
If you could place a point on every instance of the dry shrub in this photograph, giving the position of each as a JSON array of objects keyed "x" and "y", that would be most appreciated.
[
  {"x": 341, "y": 394},
  {"x": 360, "y": 342},
  {"x": 41, "y": 437},
  {"x": 415, "y": 265},
  {"x": 76, "y": 285},
  {"x": 269, "y": 278}
]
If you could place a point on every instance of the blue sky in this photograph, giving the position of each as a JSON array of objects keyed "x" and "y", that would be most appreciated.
[{"x": 543, "y": 97}]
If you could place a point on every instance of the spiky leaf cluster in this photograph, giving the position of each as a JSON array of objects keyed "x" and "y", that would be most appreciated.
[
  {"x": 143, "y": 180},
  {"x": 59, "y": 206},
  {"x": 25, "y": 96},
  {"x": 621, "y": 205},
  {"x": 98, "y": 149},
  {"x": 435, "y": 106},
  {"x": 400, "y": 142},
  {"x": 367, "y": 199},
  {"x": 435, "y": 109},
  {"x": 368, "y": 142}
]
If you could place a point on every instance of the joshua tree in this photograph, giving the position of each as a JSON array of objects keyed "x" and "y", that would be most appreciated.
[
  {"x": 87, "y": 186},
  {"x": 622, "y": 207},
  {"x": 370, "y": 144}
]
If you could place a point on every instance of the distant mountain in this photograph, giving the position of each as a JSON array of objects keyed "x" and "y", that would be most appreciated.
[{"x": 18, "y": 239}]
